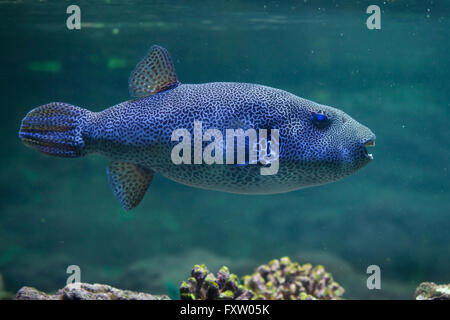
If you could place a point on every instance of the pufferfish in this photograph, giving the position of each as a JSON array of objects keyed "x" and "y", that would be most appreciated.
[{"x": 316, "y": 144}]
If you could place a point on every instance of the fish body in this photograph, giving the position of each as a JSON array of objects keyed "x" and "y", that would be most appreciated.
[{"x": 316, "y": 144}]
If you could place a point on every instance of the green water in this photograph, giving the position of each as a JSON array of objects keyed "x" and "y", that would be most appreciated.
[{"x": 393, "y": 213}]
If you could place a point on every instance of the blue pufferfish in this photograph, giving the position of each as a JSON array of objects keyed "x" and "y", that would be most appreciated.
[{"x": 317, "y": 144}]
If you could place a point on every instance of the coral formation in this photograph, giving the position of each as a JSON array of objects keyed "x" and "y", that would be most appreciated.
[
  {"x": 203, "y": 285},
  {"x": 286, "y": 280},
  {"x": 279, "y": 280},
  {"x": 432, "y": 291},
  {"x": 156, "y": 274},
  {"x": 86, "y": 291}
]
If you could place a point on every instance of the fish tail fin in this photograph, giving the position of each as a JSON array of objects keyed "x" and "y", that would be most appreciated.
[{"x": 55, "y": 129}]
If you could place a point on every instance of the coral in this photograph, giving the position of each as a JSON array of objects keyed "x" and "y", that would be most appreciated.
[
  {"x": 156, "y": 274},
  {"x": 286, "y": 280},
  {"x": 432, "y": 291},
  {"x": 203, "y": 285},
  {"x": 279, "y": 280},
  {"x": 86, "y": 291}
]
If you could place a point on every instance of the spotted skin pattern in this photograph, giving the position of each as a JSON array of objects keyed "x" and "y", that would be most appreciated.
[
  {"x": 308, "y": 155},
  {"x": 139, "y": 132}
]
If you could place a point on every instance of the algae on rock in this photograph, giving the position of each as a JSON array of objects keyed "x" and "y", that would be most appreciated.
[
  {"x": 432, "y": 291},
  {"x": 86, "y": 291}
]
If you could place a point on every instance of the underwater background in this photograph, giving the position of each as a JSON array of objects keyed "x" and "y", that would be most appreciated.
[{"x": 393, "y": 213}]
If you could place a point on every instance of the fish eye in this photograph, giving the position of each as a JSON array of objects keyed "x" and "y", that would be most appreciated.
[{"x": 320, "y": 120}]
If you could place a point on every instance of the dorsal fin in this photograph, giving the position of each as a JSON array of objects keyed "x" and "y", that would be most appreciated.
[
  {"x": 155, "y": 73},
  {"x": 129, "y": 182}
]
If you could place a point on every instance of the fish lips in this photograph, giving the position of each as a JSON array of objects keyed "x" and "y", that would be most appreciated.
[{"x": 368, "y": 143}]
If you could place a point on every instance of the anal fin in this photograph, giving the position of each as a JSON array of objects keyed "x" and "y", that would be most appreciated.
[{"x": 129, "y": 182}]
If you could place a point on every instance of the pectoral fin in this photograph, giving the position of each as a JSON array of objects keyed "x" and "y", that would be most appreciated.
[{"x": 129, "y": 182}]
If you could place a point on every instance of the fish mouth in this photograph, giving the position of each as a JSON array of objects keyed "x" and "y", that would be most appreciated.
[{"x": 368, "y": 143}]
